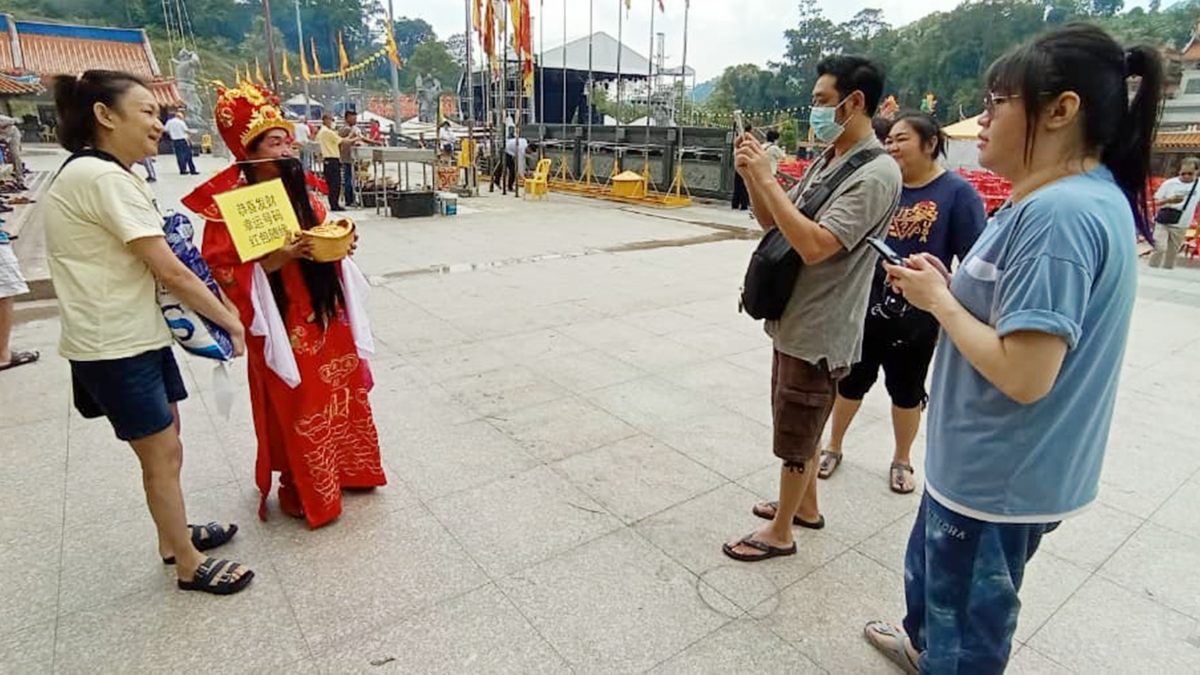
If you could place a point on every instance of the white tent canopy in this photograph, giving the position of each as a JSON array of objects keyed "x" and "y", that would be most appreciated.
[
  {"x": 299, "y": 99},
  {"x": 297, "y": 106},
  {"x": 961, "y": 150},
  {"x": 384, "y": 123},
  {"x": 604, "y": 56},
  {"x": 415, "y": 129},
  {"x": 966, "y": 129}
]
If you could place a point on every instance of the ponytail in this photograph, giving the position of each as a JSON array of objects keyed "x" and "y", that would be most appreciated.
[
  {"x": 75, "y": 100},
  {"x": 1128, "y": 155},
  {"x": 1082, "y": 58}
]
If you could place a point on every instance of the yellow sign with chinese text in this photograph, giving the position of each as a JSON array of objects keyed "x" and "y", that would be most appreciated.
[{"x": 260, "y": 218}]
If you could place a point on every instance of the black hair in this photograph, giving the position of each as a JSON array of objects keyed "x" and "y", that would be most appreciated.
[
  {"x": 76, "y": 97},
  {"x": 927, "y": 127},
  {"x": 321, "y": 279},
  {"x": 772, "y": 136},
  {"x": 882, "y": 127},
  {"x": 854, "y": 73},
  {"x": 1086, "y": 60}
]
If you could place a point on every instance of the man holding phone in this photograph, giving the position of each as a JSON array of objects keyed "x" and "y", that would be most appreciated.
[{"x": 819, "y": 334}]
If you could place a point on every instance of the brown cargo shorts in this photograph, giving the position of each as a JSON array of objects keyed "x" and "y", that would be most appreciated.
[{"x": 802, "y": 398}]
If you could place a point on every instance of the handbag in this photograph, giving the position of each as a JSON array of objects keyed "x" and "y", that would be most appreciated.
[
  {"x": 1169, "y": 215},
  {"x": 775, "y": 265}
]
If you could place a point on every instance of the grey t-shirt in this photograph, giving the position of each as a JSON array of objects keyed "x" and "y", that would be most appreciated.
[{"x": 823, "y": 320}]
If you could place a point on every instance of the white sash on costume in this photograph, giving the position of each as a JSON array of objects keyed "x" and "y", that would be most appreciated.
[
  {"x": 355, "y": 288},
  {"x": 268, "y": 322}
]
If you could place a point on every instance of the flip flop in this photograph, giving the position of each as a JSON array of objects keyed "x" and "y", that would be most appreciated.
[
  {"x": 892, "y": 643},
  {"x": 216, "y": 577},
  {"x": 217, "y": 536},
  {"x": 758, "y": 510},
  {"x": 20, "y": 359},
  {"x": 896, "y": 476},
  {"x": 768, "y": 551},
  {"x": 830, "y": 461}
]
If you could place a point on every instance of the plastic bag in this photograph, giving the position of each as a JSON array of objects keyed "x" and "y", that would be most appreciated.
[{"x": 196, "y": 334}]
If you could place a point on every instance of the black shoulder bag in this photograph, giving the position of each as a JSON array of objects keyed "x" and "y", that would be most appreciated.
[
  {"x": 774, "y": 265},
  {"x": 1169, "y": 215}
]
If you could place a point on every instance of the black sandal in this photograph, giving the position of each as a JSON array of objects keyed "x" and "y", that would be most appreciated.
[
  {"x": 20, "y": 358},
  {"x": 217, "y": 536},
  {"x": 216, "y": 577},
  {"x": 819, "y": 524},
  {"x": 768, "y": 551}
]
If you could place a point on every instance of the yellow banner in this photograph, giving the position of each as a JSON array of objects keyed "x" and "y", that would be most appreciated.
[{"x": 260, "y": 218}]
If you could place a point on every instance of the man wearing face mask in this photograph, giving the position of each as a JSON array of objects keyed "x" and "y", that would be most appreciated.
[{"x": 819, "y": 335}]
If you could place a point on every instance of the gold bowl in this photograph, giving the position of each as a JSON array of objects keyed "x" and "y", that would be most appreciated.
[{"x": 331, "y": 240}]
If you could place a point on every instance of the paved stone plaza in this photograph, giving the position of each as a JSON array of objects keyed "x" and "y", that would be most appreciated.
[{"x": 573, "y": 417}]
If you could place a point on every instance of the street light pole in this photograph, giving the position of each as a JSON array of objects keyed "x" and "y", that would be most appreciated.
[
  {"x": 396, "y": 117},
  {"x": 300, "y": 44},
  {"x": 271, "y": 46}
]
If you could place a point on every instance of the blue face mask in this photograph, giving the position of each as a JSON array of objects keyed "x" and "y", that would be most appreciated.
[{"x": 823, "y": 121}]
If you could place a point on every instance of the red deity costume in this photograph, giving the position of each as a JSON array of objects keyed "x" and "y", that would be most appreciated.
[{"x": 312, "y": 417}]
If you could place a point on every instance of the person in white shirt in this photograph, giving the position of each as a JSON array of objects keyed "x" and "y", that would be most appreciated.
[
  {"x": 180, "y": 135},
  {"x": 1176, "y": 201},
  {"x": 514, "y": 157},
  {"x": 446, "y": 138},
  {"x": 302, "y": 136},
  {"x": 774, "y": 152},
  {"x": 10, "y": 133}
]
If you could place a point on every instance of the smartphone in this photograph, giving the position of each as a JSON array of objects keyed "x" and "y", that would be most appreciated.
[
  {"x": 739, "y": 124},
  {"x": 885, "y": 251}
]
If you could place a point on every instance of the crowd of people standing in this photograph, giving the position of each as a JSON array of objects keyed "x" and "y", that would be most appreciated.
[
  {"x": 1024, "y": 316},
  {"x": 1029, "y": 330}
]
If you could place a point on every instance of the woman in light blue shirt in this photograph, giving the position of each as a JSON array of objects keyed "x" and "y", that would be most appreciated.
[{"x": 1035, "y": 323}]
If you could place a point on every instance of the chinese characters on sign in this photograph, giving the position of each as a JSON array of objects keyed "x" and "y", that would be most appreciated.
[{"x": 260, "y": 218}]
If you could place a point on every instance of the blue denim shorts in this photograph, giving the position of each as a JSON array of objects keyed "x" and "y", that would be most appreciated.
[{"x": 134, "y": 393}]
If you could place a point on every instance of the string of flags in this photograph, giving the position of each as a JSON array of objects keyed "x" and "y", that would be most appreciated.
[{"x": 345, "y": 68}]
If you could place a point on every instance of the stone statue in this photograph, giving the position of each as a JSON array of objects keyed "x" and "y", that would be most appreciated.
[
  {"x": 187, "y": 68},
  {"x": 429, "y": 95}
]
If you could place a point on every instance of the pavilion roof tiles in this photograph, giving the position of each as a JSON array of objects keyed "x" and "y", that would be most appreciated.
[{"x": 49, "y": 49}]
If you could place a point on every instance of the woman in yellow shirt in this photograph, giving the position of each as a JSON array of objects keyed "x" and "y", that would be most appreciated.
[{"x": 107, "y": 250}]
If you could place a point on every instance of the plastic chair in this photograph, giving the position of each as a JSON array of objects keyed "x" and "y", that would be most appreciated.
[
  {"x": 538, "y": 184},
  {"x": 206, "y": 143}
]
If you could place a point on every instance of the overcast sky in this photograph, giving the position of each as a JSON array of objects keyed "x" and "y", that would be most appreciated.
[{"x": 722, "y": 32}]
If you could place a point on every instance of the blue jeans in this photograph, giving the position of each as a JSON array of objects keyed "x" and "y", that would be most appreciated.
[
  {"x": 183, "y": 156},
  {"x": 961, "y": 579},
  {"x": 348, "y": 182}
]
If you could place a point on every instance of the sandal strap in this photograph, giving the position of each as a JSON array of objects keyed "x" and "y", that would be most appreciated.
[
  {"x": 213, "y": 530},
  {"x": 213, "y": 572},
  {"x": 753, "y": 543},
  {"x": 902, "y": 465}
]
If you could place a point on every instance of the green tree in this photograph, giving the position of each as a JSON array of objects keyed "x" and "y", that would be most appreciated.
[
  {"x": 1106, "y": 7},
  {"x": 430, "y": 58},
  {"x": 788, "y": 135},
  {"x": 411, "y": 33}
]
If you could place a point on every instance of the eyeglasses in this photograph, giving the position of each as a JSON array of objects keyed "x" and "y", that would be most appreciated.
[{"x": 993, "y": 99}]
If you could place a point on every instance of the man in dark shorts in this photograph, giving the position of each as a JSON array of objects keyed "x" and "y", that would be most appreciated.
[{"x": 819, "y": 335}]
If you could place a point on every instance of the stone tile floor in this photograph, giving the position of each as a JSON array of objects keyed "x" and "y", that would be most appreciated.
[{"x": 571, "y": 426}]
